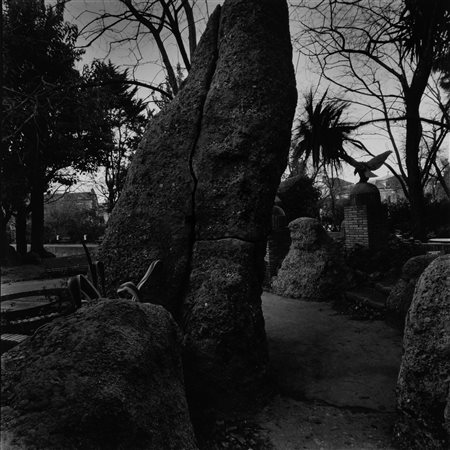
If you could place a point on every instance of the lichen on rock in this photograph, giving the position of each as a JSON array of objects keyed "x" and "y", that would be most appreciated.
[
  {"x": 401, "y": 295},
  {"x": 108, "y": 376},
  {"x": 313, "y": 268},
  {"x": 424, "y": 379}
]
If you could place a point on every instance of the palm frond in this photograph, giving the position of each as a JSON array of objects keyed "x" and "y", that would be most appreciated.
[{"x": 321, "y": 134}]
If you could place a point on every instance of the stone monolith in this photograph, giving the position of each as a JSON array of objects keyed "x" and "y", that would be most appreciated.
[{"x": 200, "y": 192}]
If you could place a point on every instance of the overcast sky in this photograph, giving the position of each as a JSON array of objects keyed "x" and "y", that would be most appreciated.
[{"x": 148, "y": 70}]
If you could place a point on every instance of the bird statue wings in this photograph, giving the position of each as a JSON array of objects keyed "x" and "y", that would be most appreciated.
[{"x": 364, "y": 169}]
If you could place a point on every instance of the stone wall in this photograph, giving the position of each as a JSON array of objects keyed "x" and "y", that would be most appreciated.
[
  {"x": 366, "y": 218},
  {"x": 365, "y": 225},
  {"x": 356, "y": 227}
]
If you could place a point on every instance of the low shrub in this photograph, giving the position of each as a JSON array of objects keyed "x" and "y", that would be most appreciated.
[
  {"x": 437, "y": 218},
  {"x": 73, "y": 225},
  {"x": 389, "y": 259}
]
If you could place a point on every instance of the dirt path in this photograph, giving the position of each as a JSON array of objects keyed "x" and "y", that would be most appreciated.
[{"x": 336, "y": 378}]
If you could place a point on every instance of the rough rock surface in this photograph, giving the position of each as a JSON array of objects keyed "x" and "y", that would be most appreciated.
[
  {"x": 423, "y": 382},
  {"x": 224, "y": 329},
  {"x": 313, "y": 269},
  {"x": 401, "y": 295},
  {"x": 237, "y": 166},
  {"x": 202, "y": 185},
  {"x": 108, "y": 376},
  {"x": 154, "y": 216},
  {"x": 241, "y": 151}
]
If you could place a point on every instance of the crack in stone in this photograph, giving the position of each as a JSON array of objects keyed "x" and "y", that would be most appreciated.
[{"x": 209, "y": 78}]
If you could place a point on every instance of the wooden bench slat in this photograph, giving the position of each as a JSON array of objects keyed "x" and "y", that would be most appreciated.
[{"x": 17, "y": 338}]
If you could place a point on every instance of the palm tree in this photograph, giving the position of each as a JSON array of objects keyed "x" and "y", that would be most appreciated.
[{"x": 322, "y": 135}]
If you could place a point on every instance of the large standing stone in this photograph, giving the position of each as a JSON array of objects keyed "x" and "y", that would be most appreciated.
[
  {"x": 240, "y": 156},
  {"x": 202, "y": 186},
  {"x": 242, "y": 146},
  {"x": 108, "y": 376},
  {"x": 313, "y": 268},
  {"x": 424, "y": 380},
  {"x": 225, "y": 347},
  {"x": 401, "y": 295},
  {"x": 154, "y": 217}
]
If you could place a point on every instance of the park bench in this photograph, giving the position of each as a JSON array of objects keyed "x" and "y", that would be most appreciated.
[{"x": 22, "y": 313}]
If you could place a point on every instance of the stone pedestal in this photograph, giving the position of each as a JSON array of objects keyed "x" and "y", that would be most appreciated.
[{"x": 365, "y": 218}]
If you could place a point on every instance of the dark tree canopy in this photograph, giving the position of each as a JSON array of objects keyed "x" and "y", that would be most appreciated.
[
  {"x": 119, "y": 120},
  {"x": 44, "y": 116}
]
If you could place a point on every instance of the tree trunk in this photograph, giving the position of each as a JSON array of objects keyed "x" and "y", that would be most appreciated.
[
  {"x": 416, "y": 197},
  {"x": 21, "y": 231},
  {"x": 37, "y": 215},
  {"x": 3, "y": 237}
]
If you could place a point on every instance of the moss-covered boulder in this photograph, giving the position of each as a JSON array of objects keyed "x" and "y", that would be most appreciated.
[
  {"x": 424, "y": 380},
  {"x": 401, "y": 295},
  {"x": 108, "y": 376},
  {"x": 313, "y": 268}
]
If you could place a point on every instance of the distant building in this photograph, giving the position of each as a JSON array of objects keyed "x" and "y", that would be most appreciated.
[
  {"x": 85, "y": 201},
  {"x": 390, "y": 189},
  {"x": 72, "y": 216}
]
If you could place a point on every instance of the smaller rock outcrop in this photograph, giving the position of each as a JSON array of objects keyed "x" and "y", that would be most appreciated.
[
  {"x": 108, "y": 376},
  {"x": 313, "y": 268},
  {"x": 401, "y": 295},
  {"x": 423, "y": 382}
]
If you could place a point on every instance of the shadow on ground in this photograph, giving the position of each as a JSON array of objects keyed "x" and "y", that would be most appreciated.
[{"x": 334, "y": 376}]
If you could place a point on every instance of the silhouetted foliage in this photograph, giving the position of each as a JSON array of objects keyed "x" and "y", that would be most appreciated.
[
  {"x": 42, "y": 116},
  {"x": 118, "y": 120},
  {"x": 437, "y": 218},
  {"x": 73, "y": 223},
  {"x": 382, "y": 56}
]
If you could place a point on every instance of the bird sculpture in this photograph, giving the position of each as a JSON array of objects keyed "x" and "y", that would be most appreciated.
[{"x": 365, "y": 169}]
